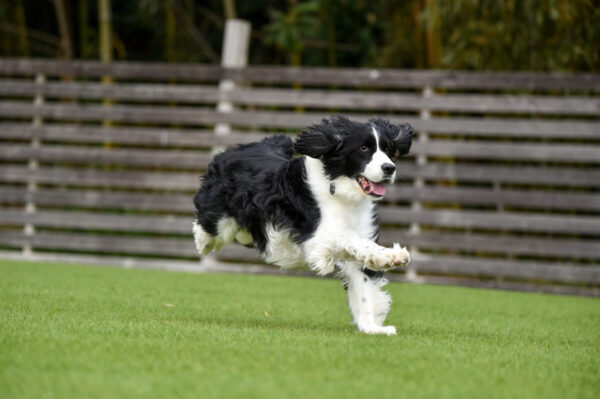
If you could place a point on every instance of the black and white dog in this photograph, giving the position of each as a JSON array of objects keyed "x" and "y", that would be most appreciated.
[{"x": 316, "y": 210}]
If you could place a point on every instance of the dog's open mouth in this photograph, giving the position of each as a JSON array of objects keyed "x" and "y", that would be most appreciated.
[{"x": 371, "y": 188}]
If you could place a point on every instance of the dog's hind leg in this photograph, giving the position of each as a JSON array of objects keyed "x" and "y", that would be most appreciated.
[
  {"x": 227, "y": 231},
  {"x": 205, "y": 241},
  {"x": 368, "y": 304}
]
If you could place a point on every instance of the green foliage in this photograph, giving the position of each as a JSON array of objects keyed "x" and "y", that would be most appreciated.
[
  {"x": 545, "y": 35},
  {"x": 289, "y": 30},
  {"x": 75, "y": 332},
  {"x": 513, "y": 34},
  {"x": 401, "y": 46},
  {"x": 541, "y": 35},
  {"x": 336, "y": 32}
]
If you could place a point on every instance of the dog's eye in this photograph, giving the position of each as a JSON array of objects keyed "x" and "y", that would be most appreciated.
[{"x": 364, "y": 148}]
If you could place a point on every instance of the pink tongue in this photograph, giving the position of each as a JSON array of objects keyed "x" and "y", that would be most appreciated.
[{"x": 378, "y": 188}]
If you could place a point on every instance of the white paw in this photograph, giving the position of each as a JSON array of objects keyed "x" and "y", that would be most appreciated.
[
  {"x": 328, "y": 268},
  {"x": 244, "y": 237},
  {"x": 204, "y": 241},
  {"x": 388, "y": 258},
  {"x": 400, "y": 256},
  {"x": 389, "y": 330},
  {"x": 323, "y": 266},
  {"x": 373, "y": 330}
]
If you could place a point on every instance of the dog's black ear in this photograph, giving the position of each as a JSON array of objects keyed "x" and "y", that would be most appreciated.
[
  {"x": 319, "y": 140},
  {"x": 400, "y": 135},
  {"x": 402, "y": 138}
]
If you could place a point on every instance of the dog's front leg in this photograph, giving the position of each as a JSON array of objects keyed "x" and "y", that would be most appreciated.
[
  {"x": 322, "y": 253},
  {"x": 368, "y": 303},
  {"x": 372, "y": 255}
]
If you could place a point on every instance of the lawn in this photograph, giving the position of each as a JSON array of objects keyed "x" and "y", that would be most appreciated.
[{"x": 85, "y": 332}]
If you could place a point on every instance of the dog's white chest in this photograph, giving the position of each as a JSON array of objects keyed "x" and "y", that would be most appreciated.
[{"x": 339, "y": 217}]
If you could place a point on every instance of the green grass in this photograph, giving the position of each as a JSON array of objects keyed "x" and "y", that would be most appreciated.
[{"x": 78, "y": 332}]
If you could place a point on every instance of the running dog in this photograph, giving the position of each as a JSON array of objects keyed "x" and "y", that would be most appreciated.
[{"x": 315, "y": 210}]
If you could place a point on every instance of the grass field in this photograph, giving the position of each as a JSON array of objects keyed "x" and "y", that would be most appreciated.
[{"x": 79, "y": 332}]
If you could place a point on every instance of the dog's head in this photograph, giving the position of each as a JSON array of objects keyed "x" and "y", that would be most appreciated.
[{"x": 357, "y": 155}]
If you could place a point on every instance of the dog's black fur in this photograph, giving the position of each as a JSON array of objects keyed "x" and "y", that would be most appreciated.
[
  {"x": 255, "y": 183},
  {"x": 263, "y": 182}
]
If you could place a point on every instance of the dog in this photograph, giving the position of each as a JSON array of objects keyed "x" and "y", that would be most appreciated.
[{"x": 316, "y": 209}]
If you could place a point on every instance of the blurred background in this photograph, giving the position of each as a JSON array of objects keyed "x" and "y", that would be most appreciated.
[
  {"x": 540, "y": 35},
  {"x": 111, "y": 110}
]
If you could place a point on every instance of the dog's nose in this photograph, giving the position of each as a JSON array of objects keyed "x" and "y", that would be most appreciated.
[{"x": 388, "y": 168}]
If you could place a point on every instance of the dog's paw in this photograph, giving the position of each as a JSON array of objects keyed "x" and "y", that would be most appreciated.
[
  {"x": 323, "y": 266},
  {"x": 244, "y": 237},
  {"x": 388, "y": 330},
  {"x": 379, "y": 330},
  {"x": 388, "y": 258},
  {"x": 205, "y": 242},
  {"x": 328, "y": 268},
  {"x": 400, "y": 255}
]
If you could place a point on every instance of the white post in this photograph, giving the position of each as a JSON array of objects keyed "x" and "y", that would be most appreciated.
[
  {"x": 234, "y": 55},
  {"x": 32, "y": 166},
  {"x": 415, "y": 228}
]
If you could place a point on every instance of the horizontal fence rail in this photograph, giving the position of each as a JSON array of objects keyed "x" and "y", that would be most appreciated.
[
  {"x": 366, "y": 100},
  {"x": 317, "y": 76},
  {"x": 502, "y": 186},
  {"x": 199, "y": 116}
]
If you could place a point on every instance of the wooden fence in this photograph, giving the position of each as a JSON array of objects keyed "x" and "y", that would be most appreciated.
[{"x": 501, "y": 189}]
